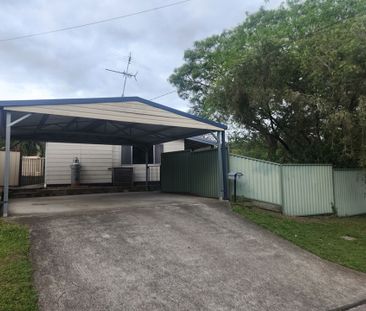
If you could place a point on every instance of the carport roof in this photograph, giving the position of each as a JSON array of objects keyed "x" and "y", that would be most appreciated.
[{"x": 111, "y": 120}]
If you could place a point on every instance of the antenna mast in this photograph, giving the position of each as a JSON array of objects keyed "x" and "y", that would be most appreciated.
[{"x": 125, "y": 73}]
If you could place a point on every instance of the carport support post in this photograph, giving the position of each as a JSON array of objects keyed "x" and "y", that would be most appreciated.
[
  {"x": 224, "y": 153},
  {"x": 219, "y": 166},
  {"x": 6, "y": 164},
  {"x": 147, "y": 168}
]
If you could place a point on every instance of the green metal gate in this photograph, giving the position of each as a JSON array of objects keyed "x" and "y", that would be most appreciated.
[{"x": 190, "y": 172}]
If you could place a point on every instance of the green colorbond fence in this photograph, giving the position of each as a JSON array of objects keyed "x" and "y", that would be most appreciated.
[
  {"x": 301, "y": 189},
  {"x": 190, "y": 172},
  {"x": 350, "y": 192},
  {"x": 307, "y": 189},
  {"x": 261, "y": 179},
  {"x": 174, "y": 172}
]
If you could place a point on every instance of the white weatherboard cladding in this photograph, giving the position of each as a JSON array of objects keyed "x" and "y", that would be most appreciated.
[
  {"x": 139, "y": 172},
  {"x": 96, "y": 161},
  {"x": 134, "y": 112},
  {"x": 176, "y": 145},
  {"x": 350, "y": 192},
  {"x": 116, "y": 155}
]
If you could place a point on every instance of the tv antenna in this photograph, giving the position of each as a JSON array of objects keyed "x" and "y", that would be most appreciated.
[{"x": 126, "y": 74}]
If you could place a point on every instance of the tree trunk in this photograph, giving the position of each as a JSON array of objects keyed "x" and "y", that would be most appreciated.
[{"x": 272, "y": 147}]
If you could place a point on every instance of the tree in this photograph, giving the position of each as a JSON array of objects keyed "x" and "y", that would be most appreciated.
[
  {"x": 293, "y": 78},
  {"x": 26, "y": 147}
]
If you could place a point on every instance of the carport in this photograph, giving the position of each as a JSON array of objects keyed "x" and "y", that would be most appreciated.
[{"x": 115, "y": 121}]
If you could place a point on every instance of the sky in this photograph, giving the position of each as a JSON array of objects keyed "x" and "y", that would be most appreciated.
[{"x": 71, "y": 64}]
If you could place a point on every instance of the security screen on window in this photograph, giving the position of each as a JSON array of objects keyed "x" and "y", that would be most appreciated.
[{"x": 136, "y": 155}]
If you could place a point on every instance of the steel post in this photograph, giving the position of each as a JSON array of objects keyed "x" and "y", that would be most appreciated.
[
  {"x": 147, "y": 175},
  {"x": 6, "y": 165},
  {"x": 224, "y": 165},
  {"x": 219, "y": 166}
]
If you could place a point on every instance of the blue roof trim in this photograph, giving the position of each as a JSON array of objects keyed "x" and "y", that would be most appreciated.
[{"x": 99, "y": 100}]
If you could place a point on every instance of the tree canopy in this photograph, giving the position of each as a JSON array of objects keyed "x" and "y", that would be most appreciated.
[
  {"x": 26, "y": 147},
  {"x": 292, "y": 80}
]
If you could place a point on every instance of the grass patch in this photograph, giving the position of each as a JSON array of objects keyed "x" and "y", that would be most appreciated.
[
  {"x": 16, "y": 290},
  {"x": 341, "y": 240}
]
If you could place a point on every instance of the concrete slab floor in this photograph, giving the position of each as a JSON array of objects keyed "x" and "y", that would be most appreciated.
[{"x": 151, "y": 251}]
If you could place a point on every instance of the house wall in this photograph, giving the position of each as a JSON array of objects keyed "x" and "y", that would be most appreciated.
[
  {"x": 116, "y": 155},
  {"x": 139, "y": 172},
  {"x": 175, "y": 145},
  {"x": 96, "y": 162}
]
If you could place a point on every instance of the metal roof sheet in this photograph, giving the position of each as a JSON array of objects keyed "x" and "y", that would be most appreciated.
[
  {"x": 101, "y": 100},
  {"x": 114, "y": 120}
]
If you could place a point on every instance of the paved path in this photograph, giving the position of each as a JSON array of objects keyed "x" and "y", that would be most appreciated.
[{"x": 170, "y": 252}]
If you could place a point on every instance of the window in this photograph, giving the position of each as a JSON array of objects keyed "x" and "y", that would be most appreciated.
[
  {"x": 136, "y": 155},
  {"x": 158, "y": 150},
  {"x": 126, "y": 154}
]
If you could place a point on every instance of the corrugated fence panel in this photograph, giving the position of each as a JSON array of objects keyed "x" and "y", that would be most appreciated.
[
  {"x": 261, "y": 180},
  {"x": 174, "y": 172},
  {"x": 307, "y": 189},
  {"x": 301, "y": 189},
  {"x": 204, "y": 173},
  {"x": 350, "y": 192},
  {"x": 190, "y": 172}
]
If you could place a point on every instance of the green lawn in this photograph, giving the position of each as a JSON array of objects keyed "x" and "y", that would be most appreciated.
[
  {"x": 16, "y": 290},
  {"x": 323, "y": 236}
]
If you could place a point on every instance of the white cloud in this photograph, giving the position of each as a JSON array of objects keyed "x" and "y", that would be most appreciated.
[{"x": 72, "y": 63}]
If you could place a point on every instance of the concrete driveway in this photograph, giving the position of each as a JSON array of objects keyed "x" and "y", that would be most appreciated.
[{"x": 152, "y": 251}]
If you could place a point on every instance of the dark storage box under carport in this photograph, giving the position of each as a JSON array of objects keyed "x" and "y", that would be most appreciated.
[{"x": 123, "y": 177}]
